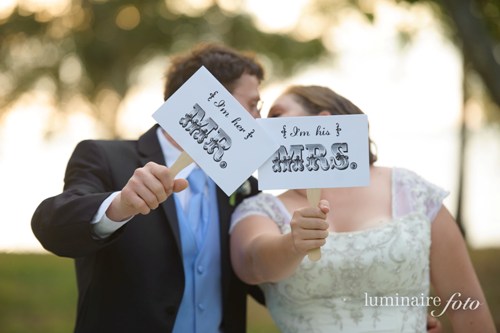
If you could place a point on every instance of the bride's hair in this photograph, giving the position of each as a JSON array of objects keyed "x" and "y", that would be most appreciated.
[{"x": 315, "y": 99}]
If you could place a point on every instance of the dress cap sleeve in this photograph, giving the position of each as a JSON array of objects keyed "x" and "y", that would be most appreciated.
[
  {"x": 263, "y": 204},
  {"x": 414, "y": 194}
]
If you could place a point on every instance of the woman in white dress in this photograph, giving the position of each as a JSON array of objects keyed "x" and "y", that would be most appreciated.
[{"x": 382, "y": 246}]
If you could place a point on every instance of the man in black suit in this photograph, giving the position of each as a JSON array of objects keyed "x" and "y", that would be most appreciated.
[{"x": 123, "y": 218}]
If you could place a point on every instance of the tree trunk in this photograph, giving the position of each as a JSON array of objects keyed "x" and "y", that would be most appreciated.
[
  {"x": 477, "y": 44},
  {"x": 462, "y": 146}
]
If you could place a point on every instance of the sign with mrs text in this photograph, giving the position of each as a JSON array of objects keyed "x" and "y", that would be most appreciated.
[{"x": 316, "y": 152}]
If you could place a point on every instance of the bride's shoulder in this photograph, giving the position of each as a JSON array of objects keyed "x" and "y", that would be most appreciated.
[
  {"x": 261, "y": 197},
  {"x": 381, "y": 174},
  {"x": 393, "y": 173},
  {"x": 381, "y": 171},
  {"x": 263, "y": 204},
  {"x": 258, "y": 201}
]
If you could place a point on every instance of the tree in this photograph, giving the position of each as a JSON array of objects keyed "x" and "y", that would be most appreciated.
[
  {"x": 473, "y": 26},
  {"x": 477, "y": 28},
  {"x": 92, "y": 48}
]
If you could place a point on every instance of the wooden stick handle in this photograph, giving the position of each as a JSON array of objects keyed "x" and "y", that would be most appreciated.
[
  {"x": 313, "y": 196},
  {"x": 182, "y": 161}
]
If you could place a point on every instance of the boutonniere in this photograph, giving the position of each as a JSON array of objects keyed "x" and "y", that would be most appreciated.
[{"x": 244, "y": 190}]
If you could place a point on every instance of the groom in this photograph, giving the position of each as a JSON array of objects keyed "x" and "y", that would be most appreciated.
[{"x": 137, "y": 268}]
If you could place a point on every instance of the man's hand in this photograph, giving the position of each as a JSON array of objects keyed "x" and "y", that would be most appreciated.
[
  {"x": 148, "y": 187},
  {"x": 433, "y": 325}
]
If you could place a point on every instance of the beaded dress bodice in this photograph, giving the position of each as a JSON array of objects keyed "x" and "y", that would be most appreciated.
[{"x": 365, "y": 280}]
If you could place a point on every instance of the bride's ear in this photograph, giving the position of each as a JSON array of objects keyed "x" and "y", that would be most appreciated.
[{"x": 324, "y": 113}]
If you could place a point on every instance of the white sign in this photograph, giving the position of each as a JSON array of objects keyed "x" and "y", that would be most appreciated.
[
  {"x": 215, "y": 130},
  {"x": 316, "y": 152}
]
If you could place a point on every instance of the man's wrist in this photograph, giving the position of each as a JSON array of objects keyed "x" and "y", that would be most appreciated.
[{"x": 116, "y": 212}]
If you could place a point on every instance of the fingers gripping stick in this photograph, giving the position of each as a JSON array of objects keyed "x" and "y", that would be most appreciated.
[
  {"x": 182, "y": 161},
  {"x": 313, "y": 196}
]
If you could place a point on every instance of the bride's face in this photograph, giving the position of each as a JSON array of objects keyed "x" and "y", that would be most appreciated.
[{"x": 286, "y": 106}]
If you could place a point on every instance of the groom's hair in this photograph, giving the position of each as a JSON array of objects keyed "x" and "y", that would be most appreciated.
[{"x": 226, "y": 64}]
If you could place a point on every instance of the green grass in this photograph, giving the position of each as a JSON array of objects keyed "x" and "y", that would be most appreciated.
[
  {"x": 487, "y": 265},
  {"x": 38, "y": 293}
]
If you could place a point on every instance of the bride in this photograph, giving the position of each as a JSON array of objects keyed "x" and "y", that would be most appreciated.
[{"x": 381, "y": 244}]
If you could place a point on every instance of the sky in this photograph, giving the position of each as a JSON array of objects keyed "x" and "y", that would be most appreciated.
[{"x": 412, "y": 97}]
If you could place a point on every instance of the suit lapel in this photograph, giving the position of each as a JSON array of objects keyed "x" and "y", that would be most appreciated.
[{"x": 150, "y": 151}]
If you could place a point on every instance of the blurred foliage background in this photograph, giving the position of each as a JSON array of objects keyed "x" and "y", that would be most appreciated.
[
  {"x": 91, "y": 51},
  {"x": 90, "y": 54}
]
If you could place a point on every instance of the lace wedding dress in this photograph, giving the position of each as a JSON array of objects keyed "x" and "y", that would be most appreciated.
[{"x": 373, "y": 280}]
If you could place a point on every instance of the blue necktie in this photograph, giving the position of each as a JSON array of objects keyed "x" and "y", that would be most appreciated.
[{"x": 197, "y": 213}]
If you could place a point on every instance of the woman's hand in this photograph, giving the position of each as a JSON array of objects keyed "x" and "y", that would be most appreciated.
[{"x": 309, "y": 227}]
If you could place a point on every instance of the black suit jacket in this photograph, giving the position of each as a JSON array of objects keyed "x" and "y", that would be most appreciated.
[{"x": 133, "y": 281}]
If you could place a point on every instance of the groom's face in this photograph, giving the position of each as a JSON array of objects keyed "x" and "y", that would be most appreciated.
[{"x": 246, "y": 92}]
